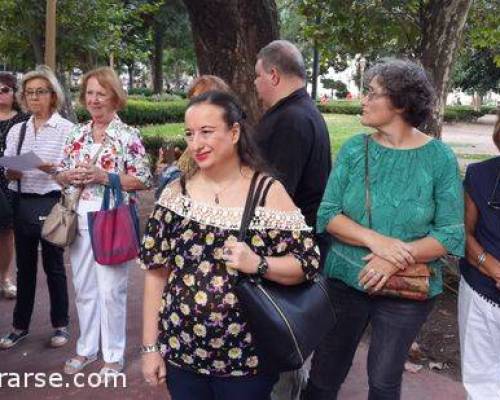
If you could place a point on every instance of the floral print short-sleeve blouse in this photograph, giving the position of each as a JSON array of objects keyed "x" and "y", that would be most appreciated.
[
  {"x": 201, "y": 326},
  {"x": 123, "y": 153}
]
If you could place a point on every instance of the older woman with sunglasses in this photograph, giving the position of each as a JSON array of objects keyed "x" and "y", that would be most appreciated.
[
  {"x": 36, "y": 193},
  {"x": 10, "y": 115},
  {"x": 479, "y": 295}
]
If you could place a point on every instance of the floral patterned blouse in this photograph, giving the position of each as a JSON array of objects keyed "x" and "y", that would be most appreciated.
[
  {"x": 201, "y": 326},
  {"x": 123, "y": 152}
]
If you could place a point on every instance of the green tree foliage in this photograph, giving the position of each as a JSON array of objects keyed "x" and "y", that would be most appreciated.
[
  {"x": 86, "y": 32},
  {"x": 295, "y": 27},
  {"x": 429, "y": 30},
  {"x": 335, "y": 85},
  {"x": 476, "y": 71}
]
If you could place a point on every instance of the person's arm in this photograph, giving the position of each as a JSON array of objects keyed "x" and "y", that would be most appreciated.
[
  {"x": 490, "y": 266},
  {"x": 447, "y": 234},
  {"x": 343, "y": 228},
  {"x": 11, "y": 150},
  {"x": 154, "y": 259},
  {"x": 301, "y": 261},
  {"x": 153, "y": 366}
]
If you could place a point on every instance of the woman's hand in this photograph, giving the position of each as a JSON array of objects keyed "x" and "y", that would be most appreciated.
[
  {"x": 13, "y": 175},
  {"x": 92, "y": 174},
  {"x": 239, "y": 256},
  {"x": 494, "y": 273},
  {"x": 71, "y": 176},
  {"x": 153, "y": 368},
  {"x": 375, "y": 274},
  {"x": 395, "y": 251},
  {"x": 48, "y": 168}
]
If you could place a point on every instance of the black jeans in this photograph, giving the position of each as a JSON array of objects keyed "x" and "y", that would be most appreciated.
[
  {"x": 187, "y": 385},
  {"x": 27, "y": 238},
  {"x": 395, "y": 324}
]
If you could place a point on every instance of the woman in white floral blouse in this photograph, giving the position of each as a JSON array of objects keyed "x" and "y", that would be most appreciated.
[
  {"x": 101, "y": 291},
  {"x": 192, "y": 257}
]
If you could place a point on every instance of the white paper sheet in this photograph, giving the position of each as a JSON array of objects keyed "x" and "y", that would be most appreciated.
[{"x": 24, "y": 162}]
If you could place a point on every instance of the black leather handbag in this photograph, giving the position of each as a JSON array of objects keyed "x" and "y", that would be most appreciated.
[{"x": 287, "y": 322}]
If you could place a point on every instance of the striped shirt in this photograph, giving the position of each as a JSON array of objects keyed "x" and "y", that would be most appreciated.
[{"x": 47, "y": 143}]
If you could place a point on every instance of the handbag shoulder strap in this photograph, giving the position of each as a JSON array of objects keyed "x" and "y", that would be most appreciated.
[
  {"x": 20, "y": 142},
  {"x": 249, "y": 209},
  {"x": 368, "y": 203},
  {"x": 22, "y": 135},
  {"x": 263, "y": 198}
]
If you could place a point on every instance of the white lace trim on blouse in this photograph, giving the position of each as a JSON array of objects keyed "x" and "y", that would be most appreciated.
[{"x": 230, "y": 217}]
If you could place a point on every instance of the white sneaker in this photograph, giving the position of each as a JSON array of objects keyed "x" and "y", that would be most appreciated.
[{"x": 8, "y": 289}]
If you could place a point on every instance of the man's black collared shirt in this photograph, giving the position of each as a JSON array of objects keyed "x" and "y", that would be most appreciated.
[{"x": 293, "y": 138}]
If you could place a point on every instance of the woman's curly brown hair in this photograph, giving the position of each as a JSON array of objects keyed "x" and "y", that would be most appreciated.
[{"x": 407, "y": 85}]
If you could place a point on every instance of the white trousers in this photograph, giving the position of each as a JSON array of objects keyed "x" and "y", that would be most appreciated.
[
  {"x": 479, "y": 324},
  {"x": 101, "y": 302}
]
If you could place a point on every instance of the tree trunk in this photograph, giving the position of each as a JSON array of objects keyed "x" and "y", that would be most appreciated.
[
  {"x": 227, "y": 36},
  {"x": 130, "y": 68},
  {"x": 36, "y": 42},
  {"x": 444, "y": 24},
  {"x": 67, "y": 110},
  {"x": 157, "y": 59}
]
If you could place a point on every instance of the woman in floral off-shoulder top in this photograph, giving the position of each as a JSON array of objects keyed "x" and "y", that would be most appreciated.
[{"x": 192, "y": 258}]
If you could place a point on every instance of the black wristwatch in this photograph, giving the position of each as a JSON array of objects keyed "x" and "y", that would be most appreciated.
[{"x": 262, "y": 267}]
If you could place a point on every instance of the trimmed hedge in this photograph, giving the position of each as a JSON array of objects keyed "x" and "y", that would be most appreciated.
[
  {"x": 141, "y": 112},
  {"x": 340, "y": 107},
  {"x": 451, "y": 113}
]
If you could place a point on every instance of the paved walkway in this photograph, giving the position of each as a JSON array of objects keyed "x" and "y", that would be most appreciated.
[{"x": 34, "y": 356}]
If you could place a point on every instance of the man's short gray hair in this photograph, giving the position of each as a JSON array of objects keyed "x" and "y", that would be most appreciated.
[
  {"x": 284, "y": 56},
  {"x": 42, "y": 72}
]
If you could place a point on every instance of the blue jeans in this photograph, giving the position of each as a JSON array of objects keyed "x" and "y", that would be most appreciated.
[
  {"x": 186, "y": 385},
  {"x": 395, "y": 324}
]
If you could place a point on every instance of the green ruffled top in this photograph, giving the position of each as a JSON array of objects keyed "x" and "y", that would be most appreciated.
[{"x": 414, "y": 193}]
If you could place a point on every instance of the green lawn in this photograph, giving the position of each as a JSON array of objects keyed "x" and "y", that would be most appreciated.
[{"x": 341, "y": 127}]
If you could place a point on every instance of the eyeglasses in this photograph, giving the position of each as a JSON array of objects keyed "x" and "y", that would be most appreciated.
[
  {"x": 371, "y": 94},
  {"x": 494, "y": 203},
  {"x": 5, "y": 89},
  {"x": 37, "y": 92}
]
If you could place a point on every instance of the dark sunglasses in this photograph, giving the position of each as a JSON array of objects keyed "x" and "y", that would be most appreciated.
[
  {"x": 493, "y": 202},
  {"x": 5, "y": 89}
]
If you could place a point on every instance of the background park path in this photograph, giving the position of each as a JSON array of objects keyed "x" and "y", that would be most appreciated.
[{"x": 33, "y": 355}]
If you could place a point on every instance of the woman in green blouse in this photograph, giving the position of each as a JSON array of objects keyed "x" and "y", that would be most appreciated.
[{"x": 416, "y": 217}]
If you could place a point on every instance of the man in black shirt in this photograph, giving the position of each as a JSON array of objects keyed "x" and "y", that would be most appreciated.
[
  {"x": 292, "y": 135},
  {"x": 293, "y": 138}
]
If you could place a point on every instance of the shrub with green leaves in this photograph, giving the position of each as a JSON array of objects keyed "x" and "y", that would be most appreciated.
[
  {"x": 142, "y": 112},
  {"x": 451, "y": 113}
]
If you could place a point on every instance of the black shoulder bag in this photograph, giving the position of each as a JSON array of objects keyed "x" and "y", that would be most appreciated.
[{"x": 287, "y": 322}]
